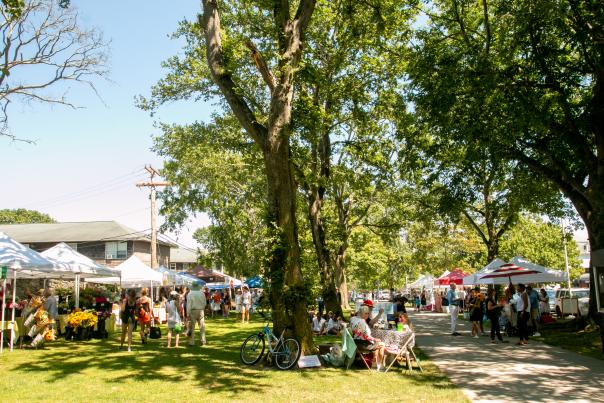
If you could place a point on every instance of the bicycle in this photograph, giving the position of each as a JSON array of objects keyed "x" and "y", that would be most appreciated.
[{"x": 285, "y": 352}]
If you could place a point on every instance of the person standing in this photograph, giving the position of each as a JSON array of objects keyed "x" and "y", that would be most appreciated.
[
  {"x": 145, "y": 314},
  {"x": 196, "y": 304},
  {"x": 238, "y": 301},
  {"x": 51, "y": 306},
  {"x": 246, "y": 304},
  {"x": 533, "y": 296},
  {"x": 493, "y": 313},
  {"x": 174, "y": 320},
  {"x": 453, "y": 308},
  {"x": 523, "y": 306},
  {"x": 226, "y": 303},
  {"x": 475, "y": 311},
  {"x": 128, "y": 317}
]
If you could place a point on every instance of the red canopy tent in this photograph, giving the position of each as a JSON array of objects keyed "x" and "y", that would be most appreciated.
[{"x": 455, "y": 276}]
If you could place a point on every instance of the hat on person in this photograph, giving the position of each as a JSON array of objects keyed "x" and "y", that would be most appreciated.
[
  {"x": 173, "y": 294},
  {"x": 368, "y": 303}
]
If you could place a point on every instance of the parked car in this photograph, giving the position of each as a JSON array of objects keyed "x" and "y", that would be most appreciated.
[
  {"x": 551, "y": 294},
  {"x": 582, "y": 294}
]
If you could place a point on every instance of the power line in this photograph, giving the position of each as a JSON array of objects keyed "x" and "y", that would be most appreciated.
[{"x": 88, "y": 191}]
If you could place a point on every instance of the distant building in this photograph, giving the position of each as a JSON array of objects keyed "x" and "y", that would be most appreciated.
[
  {"x": 107, "y": 242},
  {"x": 183, "y": 259},
  {"x": 584, "y": 249}
]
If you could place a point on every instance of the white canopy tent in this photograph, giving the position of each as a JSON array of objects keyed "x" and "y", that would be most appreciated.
[
  {"x": 424, "y": 280},
  {"x": 473, "y": 278},
  {"x": 78, "y": 265},
  {"x": 19, "y": 260},
  {"x": 133, "y": 274},
  {"x": 520, "y": 270}
]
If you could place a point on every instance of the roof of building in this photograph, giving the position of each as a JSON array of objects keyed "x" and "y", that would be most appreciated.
[
  {"x": 183, "y": 255},
  {"x": 90, "y": 231}
]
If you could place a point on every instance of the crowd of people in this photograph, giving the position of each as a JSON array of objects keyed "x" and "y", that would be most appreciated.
[
  {"x": 186, "y": 310},
  {"x": 519, "y": 311}
]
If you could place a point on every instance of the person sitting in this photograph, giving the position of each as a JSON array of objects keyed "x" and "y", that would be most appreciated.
[
  {"x": 333, "y": 327},
  {"x": 403, "y": 320},
  {"x": 361, "y": 333},
  {"x": 372, "y": 321},
  {"x": 318, "y": 324}
]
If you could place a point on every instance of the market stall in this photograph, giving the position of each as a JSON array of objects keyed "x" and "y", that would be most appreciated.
[
  {"x": 18, "y": 261},
  {"x": 472, "y": 279},
  {"x": 520, "y": 270},
  {"x": 78, "y": 265},
  {"x": 133, "y": 273},
  {"x": 455, "y": 276}
]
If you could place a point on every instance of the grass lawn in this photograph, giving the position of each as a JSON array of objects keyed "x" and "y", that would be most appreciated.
[
  {"x": 563, "y": 334},
  {"x": 97, "y": 371}
]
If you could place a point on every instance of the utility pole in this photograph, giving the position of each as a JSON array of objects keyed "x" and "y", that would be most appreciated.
[
  {"x": 151, "y": 184},
  {"x": 566, "y": 258}
]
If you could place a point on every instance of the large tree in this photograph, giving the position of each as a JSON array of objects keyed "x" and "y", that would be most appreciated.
[
  {"x": 236, "y": 38},
  {"x": 537, "y": 68},
  {"x": 44, "y": 49}
]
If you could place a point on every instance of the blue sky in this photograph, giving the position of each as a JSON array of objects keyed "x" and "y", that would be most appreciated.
[{"x": 85, "y": 162}]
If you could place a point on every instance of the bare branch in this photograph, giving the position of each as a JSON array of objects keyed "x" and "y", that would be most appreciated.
[{"x": 44, "y": 48}]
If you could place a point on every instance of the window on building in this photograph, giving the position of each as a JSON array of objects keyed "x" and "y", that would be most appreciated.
[
  {"x": 116, "y": 250},
  {"x": 73, "y": 245},
  {"x": 172, "y": 266}
]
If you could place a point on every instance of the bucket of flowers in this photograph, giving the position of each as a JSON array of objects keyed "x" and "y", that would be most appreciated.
[{"x": 82, "y": 324}]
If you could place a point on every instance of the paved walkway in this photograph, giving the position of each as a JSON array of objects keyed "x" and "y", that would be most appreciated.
[{"x": 506, "y": 372}]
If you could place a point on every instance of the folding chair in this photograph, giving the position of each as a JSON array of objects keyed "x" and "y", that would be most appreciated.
[
  {"x": 351, "y": 350},
  {"x": 406, "y": 352}
]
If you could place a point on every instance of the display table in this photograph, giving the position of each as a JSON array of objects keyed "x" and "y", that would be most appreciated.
[{"x": 18, "y": 327}]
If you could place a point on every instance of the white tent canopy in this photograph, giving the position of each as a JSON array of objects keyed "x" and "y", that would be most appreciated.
[
  {"x": 20, "y": 261},
  {"x": 423, "y": 281},
  {"x": 473, "y": 278},
  {"x": 26, "y": 262},
  {"x": 520, "y": 270},
  {"x": 133, "y": 273},
  {"x": 77, "y": 263},
  {"x": 74, "y": 264}
]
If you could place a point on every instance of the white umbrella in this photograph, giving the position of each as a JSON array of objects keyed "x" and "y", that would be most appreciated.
[{"x": 20, "y": 259}]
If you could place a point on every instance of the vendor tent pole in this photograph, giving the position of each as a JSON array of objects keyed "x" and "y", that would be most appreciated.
[
  {"x": 3, "y": 310},
  {"x": 77, "y": 291},
  {"x": 12, "y": 321}
]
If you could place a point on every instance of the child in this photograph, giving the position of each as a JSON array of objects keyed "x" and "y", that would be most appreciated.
[
  {"x": 174, "y": 321},
  {"x": 403, "y": 323}
]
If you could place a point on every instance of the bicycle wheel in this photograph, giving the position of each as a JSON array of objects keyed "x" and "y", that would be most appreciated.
[
  {"x": 287, "y": 354},
  {"x": 252, "y": 349}
]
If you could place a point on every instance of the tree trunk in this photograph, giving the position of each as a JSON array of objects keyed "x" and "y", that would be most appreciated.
[
  {"x": 328, "y": 289},
  {"x": 492, "y": 249},
  {"x": 288, "y": 292},
  {"x": 340, "y": 274}
]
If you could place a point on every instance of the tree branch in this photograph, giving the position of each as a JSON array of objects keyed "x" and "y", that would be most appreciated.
[
  {"x": 210, "y": 21},
  {"x": 487, "y": 27},
  {"x": 263, "y": 68}
]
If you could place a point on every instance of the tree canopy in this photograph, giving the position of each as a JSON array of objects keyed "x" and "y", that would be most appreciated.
[{"x": 24, "y": 216}]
